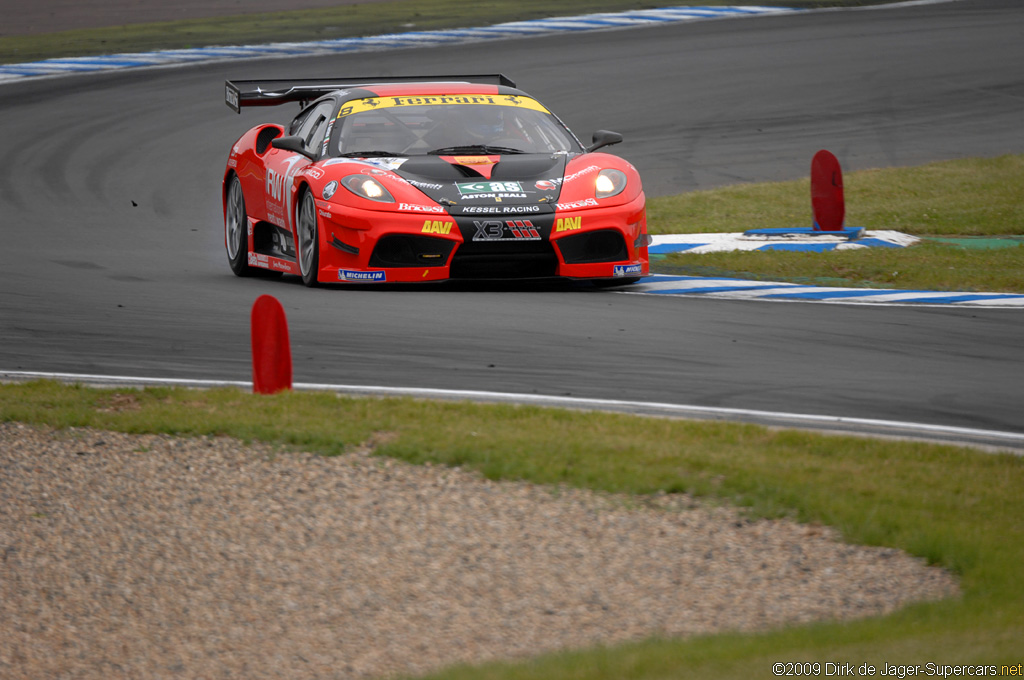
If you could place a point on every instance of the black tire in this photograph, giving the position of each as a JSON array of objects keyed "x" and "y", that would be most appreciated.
[
  {"x": 307, "y": 241},
  {"x": 236, "y": 225}
]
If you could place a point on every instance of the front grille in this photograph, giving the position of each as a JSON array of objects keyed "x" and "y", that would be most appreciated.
[
  {"x": 603, "y": 245},
  {"x": 404, "y": 250},
  {"x": 531, "y": 259}
]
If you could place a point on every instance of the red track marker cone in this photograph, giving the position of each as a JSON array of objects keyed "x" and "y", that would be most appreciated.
[
  {"x": 271, "y": 352},
  {"x": 827, "y": 192}
]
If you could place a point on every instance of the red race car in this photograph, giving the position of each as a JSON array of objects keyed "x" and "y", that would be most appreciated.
[{"x": 414, "y": 179}]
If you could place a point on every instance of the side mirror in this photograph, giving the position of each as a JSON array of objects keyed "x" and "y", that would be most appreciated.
[
  {"x": 293, "y": 144},
  {"x": 604, "y": 138}
]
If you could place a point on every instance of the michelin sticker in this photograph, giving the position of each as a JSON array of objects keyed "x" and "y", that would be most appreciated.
[
  {"x": 355, "y": 276},
  {"x": 627, "y": 270}
]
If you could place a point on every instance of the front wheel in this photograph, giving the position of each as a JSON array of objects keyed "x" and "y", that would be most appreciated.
[
  {"x": 236, "y": 237},
  {"x": 308, "y": 239}
]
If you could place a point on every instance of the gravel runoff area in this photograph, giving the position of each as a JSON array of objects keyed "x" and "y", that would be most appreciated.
[{"x": 125, "y": 556}]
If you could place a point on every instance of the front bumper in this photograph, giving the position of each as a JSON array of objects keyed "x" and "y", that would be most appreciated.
[{"x": 421, "y": 244}]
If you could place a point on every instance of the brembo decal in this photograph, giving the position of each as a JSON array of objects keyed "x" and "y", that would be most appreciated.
[
  {"x": 586, "y": 203},
  {"x": 412, "y": 207}
]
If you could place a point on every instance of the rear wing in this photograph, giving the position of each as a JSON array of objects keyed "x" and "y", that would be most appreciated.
[{"x": 239, "y": 93}]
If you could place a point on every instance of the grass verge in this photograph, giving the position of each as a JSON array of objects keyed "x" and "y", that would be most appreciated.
[
  {"x": 955, "y": 507},
  {"x": 344, "y": 21},
  {"x": 978, "y": 198}
]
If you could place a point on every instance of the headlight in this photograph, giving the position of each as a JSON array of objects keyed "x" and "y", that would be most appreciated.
[
  {"x": 367, "y": 187},
  {"x": 609, "y": 183}
]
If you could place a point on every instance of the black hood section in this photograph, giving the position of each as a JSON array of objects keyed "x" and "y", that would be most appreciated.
[
  {"x": 434, "y": 169},
  {"x": 519, "y": 184},
  {"x": 530, "y": 166}
]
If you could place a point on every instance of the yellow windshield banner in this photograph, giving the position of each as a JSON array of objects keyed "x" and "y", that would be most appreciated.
[{"x": 374, "y": 103}]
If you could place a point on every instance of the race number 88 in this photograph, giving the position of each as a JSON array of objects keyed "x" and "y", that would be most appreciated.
[{"x": 504, "y": 186}]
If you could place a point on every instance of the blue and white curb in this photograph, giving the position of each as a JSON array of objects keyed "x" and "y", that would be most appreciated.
[
  {"x": 798, "y": 240},
  {"x": 741, "y": 289},
  {"x": 393, "y": 41}
]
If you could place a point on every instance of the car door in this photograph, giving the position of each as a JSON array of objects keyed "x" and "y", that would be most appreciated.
[{"x": 281, "y": 165}]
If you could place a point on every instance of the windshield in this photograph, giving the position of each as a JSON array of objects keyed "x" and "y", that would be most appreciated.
[{"x": 451, "y": 124}]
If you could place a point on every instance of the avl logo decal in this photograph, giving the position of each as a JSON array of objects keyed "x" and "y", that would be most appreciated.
[
  {"x": 437, "y": 227},
  {"x": 568, "y": 224}
]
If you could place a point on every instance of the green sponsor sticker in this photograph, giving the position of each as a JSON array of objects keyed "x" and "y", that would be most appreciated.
[{"x": 470, "y": 188}]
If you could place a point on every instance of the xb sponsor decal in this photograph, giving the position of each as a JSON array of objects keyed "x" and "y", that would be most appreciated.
[
  {"x": 508, "y": 230},
  {"x": 357, "y": 276},
  {"x": 627, "y": 270}
]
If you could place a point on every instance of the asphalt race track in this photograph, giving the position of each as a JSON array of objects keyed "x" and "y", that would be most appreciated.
[{"x": 112, "y": 244}]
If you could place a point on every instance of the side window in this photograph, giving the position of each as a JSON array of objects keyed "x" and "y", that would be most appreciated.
[
  {"x": 293, "y": 127},
  {"x": 311, "y": 125}
]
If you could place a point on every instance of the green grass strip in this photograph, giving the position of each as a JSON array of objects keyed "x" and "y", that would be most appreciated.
[
  {"x": 951, "y": 204},
  {"x": 956, "y": 507}
]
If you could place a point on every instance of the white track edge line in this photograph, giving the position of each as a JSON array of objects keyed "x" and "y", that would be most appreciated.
[{"x": 681, "y": 410}]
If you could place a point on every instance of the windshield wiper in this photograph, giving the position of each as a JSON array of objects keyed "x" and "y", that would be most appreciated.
[
  {"x": 474, "y": 148},
  {"x": 369, "y": 154}
]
